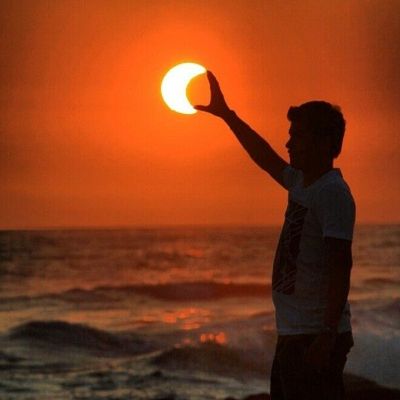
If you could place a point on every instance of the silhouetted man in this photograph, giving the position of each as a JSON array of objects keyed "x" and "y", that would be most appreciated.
[{"x": 311, "y": 273}]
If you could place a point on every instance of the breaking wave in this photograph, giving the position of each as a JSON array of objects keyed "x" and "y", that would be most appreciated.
[
  {"x": 214, "y": 358},
  {"x": 183, "y": 291},
  {"x": 66, "y": 336}
]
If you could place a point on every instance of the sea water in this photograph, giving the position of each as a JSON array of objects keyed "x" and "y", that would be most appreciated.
[{"x": 178, "y": 312}]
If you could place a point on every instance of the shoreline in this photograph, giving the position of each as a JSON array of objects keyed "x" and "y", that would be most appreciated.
[{"x": 356, "y": 388}]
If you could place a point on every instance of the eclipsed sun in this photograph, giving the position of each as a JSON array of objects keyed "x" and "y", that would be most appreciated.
[{"x": 174, "y": 85}]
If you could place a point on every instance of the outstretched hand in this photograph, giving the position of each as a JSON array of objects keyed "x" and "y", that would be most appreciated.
[{"x": 217, "y": 104}]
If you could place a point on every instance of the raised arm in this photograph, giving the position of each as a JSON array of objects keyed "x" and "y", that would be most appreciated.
[{"x": 257, "y": 148}]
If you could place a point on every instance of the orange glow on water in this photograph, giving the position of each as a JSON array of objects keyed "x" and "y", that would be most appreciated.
[
  {"x": 187, "y": 318},
  {"x": 219, "y": 338}
]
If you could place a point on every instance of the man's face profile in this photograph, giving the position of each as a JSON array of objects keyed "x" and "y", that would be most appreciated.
[{"x": 307, "y": 149}]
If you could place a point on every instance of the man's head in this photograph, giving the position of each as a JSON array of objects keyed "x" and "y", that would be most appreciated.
[{"x": 316, "y": 134}]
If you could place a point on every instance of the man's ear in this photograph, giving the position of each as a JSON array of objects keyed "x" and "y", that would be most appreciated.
[{"x": 332, "y": 146}]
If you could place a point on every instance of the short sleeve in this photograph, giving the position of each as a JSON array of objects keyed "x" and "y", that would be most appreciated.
[
  {"x": 336, "y": 211},
  {"x": 291, "y": 176}
]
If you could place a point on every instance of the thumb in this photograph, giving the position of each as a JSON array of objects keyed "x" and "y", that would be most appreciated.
[{"x": 200, "y": 107}]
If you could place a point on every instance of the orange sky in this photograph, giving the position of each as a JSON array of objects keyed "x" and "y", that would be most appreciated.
[{"x": 86, "y": 139}]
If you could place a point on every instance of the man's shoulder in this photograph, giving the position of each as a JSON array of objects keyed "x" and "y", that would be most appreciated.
[
  {"x": 335, "y": 208},
  {"x": 334, "y": 185}
]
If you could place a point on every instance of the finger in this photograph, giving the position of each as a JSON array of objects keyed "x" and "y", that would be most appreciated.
[
  {"x": 212, "y": 80},
  {"x": 200, "y": 107},
  {"x": 211, "y": 76}
]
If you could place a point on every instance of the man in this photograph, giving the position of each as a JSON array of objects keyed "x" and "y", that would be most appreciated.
[{"x": 311, "y": 274}]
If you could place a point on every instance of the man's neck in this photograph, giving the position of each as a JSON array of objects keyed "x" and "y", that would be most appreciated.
[{"x": 314, "y": 174}]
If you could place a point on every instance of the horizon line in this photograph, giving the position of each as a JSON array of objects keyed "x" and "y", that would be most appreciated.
[{"x": 167, "y": 226}]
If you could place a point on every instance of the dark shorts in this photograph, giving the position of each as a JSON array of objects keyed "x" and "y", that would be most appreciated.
[{"x": 292, "y": 378}]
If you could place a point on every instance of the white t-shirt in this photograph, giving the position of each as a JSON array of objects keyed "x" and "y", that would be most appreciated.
[{"x": 300, "y": 276}]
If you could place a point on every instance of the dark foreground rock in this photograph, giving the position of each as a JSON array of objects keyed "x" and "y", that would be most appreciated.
[
  {"x": 363, "y": 389},
  {"x": 356, "y": 389}
]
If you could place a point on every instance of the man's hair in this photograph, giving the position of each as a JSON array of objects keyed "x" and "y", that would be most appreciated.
[{"x": 322, "y": 118}]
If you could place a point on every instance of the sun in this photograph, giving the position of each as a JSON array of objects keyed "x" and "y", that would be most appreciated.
[{"x": 174, "y": 85}]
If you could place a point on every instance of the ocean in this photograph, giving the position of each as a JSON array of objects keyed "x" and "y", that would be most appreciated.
[{"x": 169, "y": 313}]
